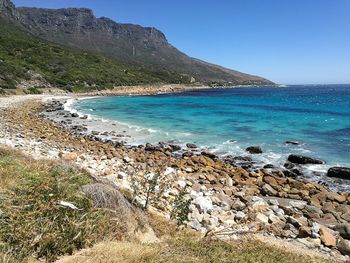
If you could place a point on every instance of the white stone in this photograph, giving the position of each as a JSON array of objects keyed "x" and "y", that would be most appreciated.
[
  {"x": 203, "y": 203},
  {"x": 169, "y": 171},
  {"x": 262, "y": 218},
  {"x": 181, "y": 183},
  {"x": 122, "y": 175},
  {"x": 298, "y": 204},
  {"x": 240, "y": 215}
]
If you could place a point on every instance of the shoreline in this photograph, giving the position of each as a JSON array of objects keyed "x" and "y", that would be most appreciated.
[
  {"x": 224, "y": 195},
  {"x": 132, "y": 138}
]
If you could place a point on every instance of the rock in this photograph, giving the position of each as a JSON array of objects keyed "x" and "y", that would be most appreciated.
[
  {"x": 127, "y": 159},
  {"x": 69, "y": 156},
  {"x": 238, "y": 205},
  {"x": 254, "y": 150},
  {"x": 304, "y": 232},
  {"x": 75, "y": 115},
  {"x": 209, "y": 155},
  {"x": 343, "y": 229},
  {"x": 122, "y": 175},
  {"x": 300, "y": 159},
  {"x": 293, "y": 142},
  {"x": 191, "y": 146},
  {"x": 298, "y": 204},
  {"x": 262, "y": 218},
  {"x": 268, "y": 190},
  {"x": 339, "y": 172},
  {"x": 343, "y": 246},
  {"x": 175, "y": 147},
  {"x": 239, "y": 215},
  {"x": 204, "y": 204},
  {"x": 336, "y": 197},
  {"x": 327, "y": 237},
  {"x": 315, "y": 230},
  {"x": 273, "y": 219}
]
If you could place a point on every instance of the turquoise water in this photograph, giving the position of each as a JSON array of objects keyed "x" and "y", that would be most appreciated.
[{"x": 228, "y": 120}]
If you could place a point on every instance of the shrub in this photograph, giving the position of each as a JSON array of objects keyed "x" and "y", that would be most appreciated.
[
  {"x": 181, "y": 208},
  {"x": 149, "y": 187},
  {"x": 33, "y": 90}
]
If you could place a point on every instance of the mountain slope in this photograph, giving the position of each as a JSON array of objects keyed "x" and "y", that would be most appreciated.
[
  {"x": 132, "y": 44},
  {"x": 25, "y": 58}
]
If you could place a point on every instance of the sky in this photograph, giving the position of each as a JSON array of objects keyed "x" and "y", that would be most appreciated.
[{"x": 286, "y": 41}]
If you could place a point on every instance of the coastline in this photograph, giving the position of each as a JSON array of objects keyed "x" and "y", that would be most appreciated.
[{"x": 224, "y": 195}]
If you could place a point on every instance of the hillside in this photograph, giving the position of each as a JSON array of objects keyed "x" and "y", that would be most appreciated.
[
  {"x": 24, "y": 57},
  {"x": 137, "y": 46}
]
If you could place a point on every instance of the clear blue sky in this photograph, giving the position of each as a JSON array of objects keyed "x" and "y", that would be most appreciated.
[{"x": 287, "y": 41}]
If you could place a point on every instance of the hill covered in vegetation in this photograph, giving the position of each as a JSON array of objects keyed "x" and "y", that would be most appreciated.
[{"x": 24, "y": 57}]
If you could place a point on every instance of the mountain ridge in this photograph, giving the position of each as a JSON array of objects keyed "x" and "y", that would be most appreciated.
[{"x": 143, "y": 47}]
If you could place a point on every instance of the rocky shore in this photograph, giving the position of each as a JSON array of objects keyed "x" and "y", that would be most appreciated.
[{"x": 223, "y": 198}]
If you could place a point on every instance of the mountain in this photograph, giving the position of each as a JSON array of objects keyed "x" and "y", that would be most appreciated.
[
  {"x": 29, "y": 62},
  {"x": 145, "y": 48}
]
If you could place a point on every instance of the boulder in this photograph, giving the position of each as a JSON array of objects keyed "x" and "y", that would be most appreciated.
[
  {"x": 204, "y": 204},
  {"x": 300, "y": 159},
  {"x": 175, "y": 147},
  {"x": 293, "y": 142},
  {"x": 343, "y": 246},
  {"x": 254, "y": 150},
  {"x": 191, "y": 146},
  {"x": 69, "y": 156},
  {"x": 327, "y": 237},
  {"x": 343, "y": 229},
  {"x": 268, "y": 190},
  {"x": 339, "y": 172},
  {"x": 262, "y": 218},
  {"x": 209, "y": 155}
]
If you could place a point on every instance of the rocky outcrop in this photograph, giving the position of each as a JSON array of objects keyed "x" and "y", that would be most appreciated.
[
  {"x": 300, "y": 159},
  {"x": 339, "y": 172},
  {"x": 145, "y": 47},
  {"x": 254, "y": 150},
  {"x": 8, "y": 10}
]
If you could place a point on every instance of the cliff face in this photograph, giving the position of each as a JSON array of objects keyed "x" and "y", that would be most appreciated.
[
  {"x": 8, "y": 10},
  {"x": 144, "y": 47}
]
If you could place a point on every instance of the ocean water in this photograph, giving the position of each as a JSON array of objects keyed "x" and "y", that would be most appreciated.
[{"x": 227, "y": 120}]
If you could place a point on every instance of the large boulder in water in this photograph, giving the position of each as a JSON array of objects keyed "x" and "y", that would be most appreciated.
[
  {"x": 339, "y": 172},
  {"x": 300, "y": 159},
  {"x": 254, "y": 149}
]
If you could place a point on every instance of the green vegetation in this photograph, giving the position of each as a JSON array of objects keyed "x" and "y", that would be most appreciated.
[
  {"x": 32, "y": 221},
  {"x": 23, "y": 55},
  {"x": 181, "y": 208},
  {"x": 33, "y": 90}
]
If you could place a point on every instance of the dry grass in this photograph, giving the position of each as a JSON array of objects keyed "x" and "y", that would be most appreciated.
[
  {"x": 32, "y": 223},
  {"x": 185, "y": 248}
]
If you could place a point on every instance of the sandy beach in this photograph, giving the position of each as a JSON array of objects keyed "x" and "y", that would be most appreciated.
[{"x": 227, "y": 200}]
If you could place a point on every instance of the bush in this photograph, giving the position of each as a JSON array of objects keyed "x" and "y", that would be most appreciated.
[
  {"x": 33, "y": 90},
  {"x": 181, "y": 208}
]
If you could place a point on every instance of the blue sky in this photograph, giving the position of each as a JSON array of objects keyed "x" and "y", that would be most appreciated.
[{"x": 287, "y": 41}]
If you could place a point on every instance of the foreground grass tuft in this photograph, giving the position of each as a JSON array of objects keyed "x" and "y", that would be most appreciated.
[
  {"x": 32, "y": 221},
  {"x": 186, "y": 248}
]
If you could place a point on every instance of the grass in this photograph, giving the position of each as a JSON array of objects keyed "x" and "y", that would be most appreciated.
[
  {"x": 22, "y": 54},
  {"x": 32, "y": 223},
  {"x": 186, "y": 248}
]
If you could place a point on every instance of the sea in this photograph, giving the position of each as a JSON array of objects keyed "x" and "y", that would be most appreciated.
[{"x": 226, "y": 121}]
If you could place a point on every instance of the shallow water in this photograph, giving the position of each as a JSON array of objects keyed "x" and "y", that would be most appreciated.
[{"x": 229, "y": 120}]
